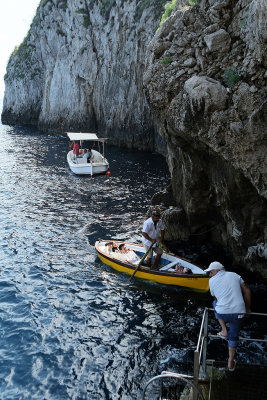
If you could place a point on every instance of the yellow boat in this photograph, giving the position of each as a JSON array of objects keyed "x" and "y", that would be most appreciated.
[{"x": 166, "y": 274}]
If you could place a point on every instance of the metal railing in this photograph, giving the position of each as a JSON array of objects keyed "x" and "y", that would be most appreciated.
[
  {"x": 200, "y": 357},
  {"x": 165, "y": 374},
  {"x": 200, "y": 354}
]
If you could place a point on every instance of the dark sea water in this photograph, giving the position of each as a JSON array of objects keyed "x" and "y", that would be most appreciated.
[{"x": 70, "y": 327}]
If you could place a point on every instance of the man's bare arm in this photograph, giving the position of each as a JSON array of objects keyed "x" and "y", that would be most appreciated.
[
  {"x": 247, "y": 296},
  {"x": 148, "y": 237}
]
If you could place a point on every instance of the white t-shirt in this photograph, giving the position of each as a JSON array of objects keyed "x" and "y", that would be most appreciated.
[
  {"x": 225, "y": 286},
  {"x": 152, "y": 232},
  {"x": 132, "y": 257}
]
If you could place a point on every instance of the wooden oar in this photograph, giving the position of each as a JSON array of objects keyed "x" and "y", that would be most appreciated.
[{"x": 140, "y": 262}]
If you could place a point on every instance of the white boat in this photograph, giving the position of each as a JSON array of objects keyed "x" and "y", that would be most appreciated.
[{"x": 96, "y": 164}]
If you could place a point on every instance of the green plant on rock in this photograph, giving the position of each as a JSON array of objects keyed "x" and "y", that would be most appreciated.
[
  {"x": 22, "y": 51},
  {"x": 192, "y": 2},
  {"x": 243, "y": 22},
  {"x": 86, "y": 21},
  {"x": 83, "y": 49},
  {"x": 21, "y": 58},
  {"x": 169, "y": 7},
  {"x": 43, "y": 3},
  {"x": 84, "y": 13},
  {"x": 231, "y": 76},
  {"x": 166, "y": 60}
]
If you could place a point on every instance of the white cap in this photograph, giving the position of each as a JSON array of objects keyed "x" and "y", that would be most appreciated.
[{"x": 214, "y": 265}]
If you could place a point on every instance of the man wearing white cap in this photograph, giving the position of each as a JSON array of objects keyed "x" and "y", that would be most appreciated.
[{"x": 232, "y": 300}]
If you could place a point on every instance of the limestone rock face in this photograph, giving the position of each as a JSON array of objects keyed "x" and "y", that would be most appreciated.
[
  {"x": 203, "y": 90},
  {"x": 80, "y": 68},
  {"x": 205, "y": 81},
  {"x": 218, "y": 41}
]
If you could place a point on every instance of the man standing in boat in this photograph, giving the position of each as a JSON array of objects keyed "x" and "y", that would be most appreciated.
[
  {"x": 75, "y": 149},
  {"x": 153, "y": 232},
  {"x": 232, "y": 300}
]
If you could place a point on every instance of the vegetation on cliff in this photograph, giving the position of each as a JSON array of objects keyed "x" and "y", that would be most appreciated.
[{"x": 169, "y": 7}]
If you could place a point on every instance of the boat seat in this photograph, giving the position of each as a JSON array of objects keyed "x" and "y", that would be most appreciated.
[
  {"x": 81, "y": 160},
  {"x": 168, "y": 266}
]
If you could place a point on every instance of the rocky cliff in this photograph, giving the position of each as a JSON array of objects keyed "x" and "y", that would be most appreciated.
[
  {"x": 205, "y": 81},
  {"x": 80, "y": 68}
]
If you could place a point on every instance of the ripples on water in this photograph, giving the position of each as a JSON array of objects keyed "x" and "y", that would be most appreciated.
[{"x": 70, "y": 327}]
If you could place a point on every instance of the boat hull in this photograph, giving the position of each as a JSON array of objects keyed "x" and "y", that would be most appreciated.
[
  {"x": 94, "y": 168},
  {"x": 193, "y": 281}
]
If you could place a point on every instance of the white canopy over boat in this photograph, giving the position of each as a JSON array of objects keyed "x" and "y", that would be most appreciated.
[{"x": 84, "y": 136}]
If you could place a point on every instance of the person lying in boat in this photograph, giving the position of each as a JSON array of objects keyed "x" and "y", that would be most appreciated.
[
  {"x": 128, "y": 254},
  {"x": 108, "y": 248},
  {"x": 111, "y": 248},
  {"x": 182, "y": 270},
  {"x": 115, "y": 247}
]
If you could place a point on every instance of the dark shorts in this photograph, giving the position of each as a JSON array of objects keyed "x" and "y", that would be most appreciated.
[
  {"x": 235, "y": 322},
  {"x": 156, "y": 249}
]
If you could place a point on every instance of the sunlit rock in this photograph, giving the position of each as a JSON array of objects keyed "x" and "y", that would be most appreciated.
[
  {"x": 218, "y": 41},
  {"x": 203, "y": 89}
]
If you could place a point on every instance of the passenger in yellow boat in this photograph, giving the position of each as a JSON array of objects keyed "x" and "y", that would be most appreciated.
[
  {"x": 132, "y": 257},
  {"x": 153, "y": 232},
  {"x": 108, "y": 248},
  {"x": 115, "y": 247},
  {"x": 128, "y": 254},
  {"x": 122, "y": 252},
  {"x": 187, "y": 270},
  {"x": 182, "y": 270},
  {"x": 112, "y": 249}
]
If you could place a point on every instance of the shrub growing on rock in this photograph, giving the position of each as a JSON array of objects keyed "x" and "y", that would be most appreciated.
[
  {"x": 169, "y": 7},
  {"x": 231, "y": 76}
]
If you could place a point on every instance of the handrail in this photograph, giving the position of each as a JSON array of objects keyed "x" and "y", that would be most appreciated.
[
  {"x": 241, "y": 338},
  {"x": 200, "y": 353},
  {"x": 166, "y": 374},
  {"x": 247, "y": 313},
  {"x": 201, "y": 338},
  {"x": 202, "y": 326},
  {"x": 202, "y": 343}
]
